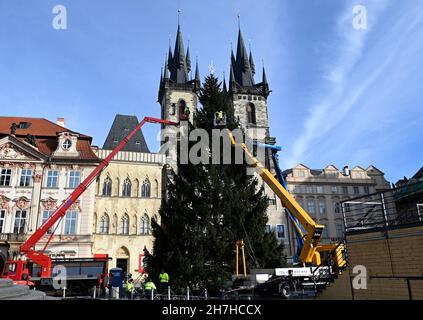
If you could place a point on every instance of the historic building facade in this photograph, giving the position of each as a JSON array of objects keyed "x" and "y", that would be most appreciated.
[
  {"x": 40, "y": 165},
  {"x": 128, "y": 197},
  {"x": 320, "y": 191},
  {"x": 249, "y": 101}
]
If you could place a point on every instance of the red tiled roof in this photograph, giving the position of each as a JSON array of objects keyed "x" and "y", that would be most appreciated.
[
  {"x": 46, "y": 133},
  {"x": 39, "y": 127}
]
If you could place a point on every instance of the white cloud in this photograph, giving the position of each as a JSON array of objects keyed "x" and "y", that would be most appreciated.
[{"x": 346, "y": 86}]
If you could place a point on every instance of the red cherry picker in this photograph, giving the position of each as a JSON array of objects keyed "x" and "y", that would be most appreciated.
[{"x": 19, "y": 270}]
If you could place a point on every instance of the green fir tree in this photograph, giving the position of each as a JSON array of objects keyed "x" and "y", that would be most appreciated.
[{"x": 208, "y": 208}]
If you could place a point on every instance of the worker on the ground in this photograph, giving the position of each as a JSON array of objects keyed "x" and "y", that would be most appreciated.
[
  {"x": 163, "y": 281},
  {"x": 148, "y": 287},
  {"x": 130, "y": 289}
]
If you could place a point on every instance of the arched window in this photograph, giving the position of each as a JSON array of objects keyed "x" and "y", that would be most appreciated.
[
  {"x": 144, "y": 224},
  {"x": 124, "y": 225},
  {"x": 126, "y": 189},
  {"x": 104, "y": 224},
  {"x": 251, "y": 113},
  {"x": 181, "y": 108},
  {"x": 146, "y": 189},
  {"x": 156, "y": 187},
  {"x": 107, "y": 187}
]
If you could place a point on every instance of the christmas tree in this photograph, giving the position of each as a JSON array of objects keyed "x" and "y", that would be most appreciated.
[{"x": 208, "y": 208}]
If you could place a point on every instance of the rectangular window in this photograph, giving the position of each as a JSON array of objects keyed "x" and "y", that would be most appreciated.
[
  {"x": 2, "y": 220},
  {"x": 46, "y": 215},
  {"x": 347, "y": 207},
  {"x": 74, "y": 179},
  {"x": 268, "y": 229},
  {"x": 272, "y": 202},
  {"x": 297, "y": 189},
  {"x": 319, "y": 189},
  {"x": 52, "y": 179},
  {"x": 70, "y": 222},
  {"x": 366, "y": 189},
  {"x": 5, "y": 177},
  {"x": 280, "y": 231},
  {"x": 301, "y": 173},
  {"x": 325, "y": 233},
  {"x": 310, "y": 207},
  {"x": 309, "y": 189},
  {"x": 336, "y": 207},
  {"x": 345, "y": 189},
  {"x": 340, "y": 230},
  {"x": 331, "y": 174},
  {"x": 26, "y": 178},
  {"x": 322, "y": 207},
  {"x": 334, "y": 189},
  {"x": 20, "y": 221},
  {"x": 356, "y": 190}
]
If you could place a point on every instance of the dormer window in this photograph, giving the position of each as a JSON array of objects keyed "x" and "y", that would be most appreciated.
[{"x": 67, "y": 144}]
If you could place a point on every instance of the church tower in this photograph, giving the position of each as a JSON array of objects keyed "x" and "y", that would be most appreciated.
[
  {"x": 177, "y": 91},
  {"x": 249, "y": 99}
]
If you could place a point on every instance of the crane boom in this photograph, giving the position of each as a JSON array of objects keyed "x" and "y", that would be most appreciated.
[
  {"x": 309, "y": 252},
  {"x": 28, "y": 247}
]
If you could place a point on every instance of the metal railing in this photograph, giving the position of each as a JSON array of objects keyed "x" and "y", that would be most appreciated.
[{"x": 388, "y": 208}]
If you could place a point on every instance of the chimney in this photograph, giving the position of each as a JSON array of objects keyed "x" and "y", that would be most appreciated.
[
  {"x": 61, "y": 122},
  {"x": 346, "y": 171}
]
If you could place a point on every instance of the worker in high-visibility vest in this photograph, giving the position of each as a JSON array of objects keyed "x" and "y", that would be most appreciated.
[
  {"x": 186, "y": 111},
  {"x": 148, "y": 287},
  {"x": 163, "y": 281},
  {"x": 219, "y": 116},
  {"x": 130, "y": 288}
]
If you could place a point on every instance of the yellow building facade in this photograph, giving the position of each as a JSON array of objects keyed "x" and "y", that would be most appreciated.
[{"x": 128, "y": 197}]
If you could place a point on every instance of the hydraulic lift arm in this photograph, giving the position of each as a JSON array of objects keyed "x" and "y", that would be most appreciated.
[
  {"x": 309, "y": 252},
  {"x": 28, "y": 247}
]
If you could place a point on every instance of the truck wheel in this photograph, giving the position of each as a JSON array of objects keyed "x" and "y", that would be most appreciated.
[{"x": 284, "y": 291}]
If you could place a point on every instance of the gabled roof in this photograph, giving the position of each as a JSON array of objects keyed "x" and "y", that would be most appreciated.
[
  {"x": 331, "y": 166},
  {"x": 419, "y": 174},
  {"x": 301, "y": 165},
  {"x": 24, "y": 147},
  {"x": 121, "y": 126},
  {"x": 358, "y": 168},
  {"x": 45, "y": 135},
  {"x": 372, "y": 167}
]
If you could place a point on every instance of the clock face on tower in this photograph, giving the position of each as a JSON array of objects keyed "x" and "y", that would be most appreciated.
[{"x": 67, "y": 144}]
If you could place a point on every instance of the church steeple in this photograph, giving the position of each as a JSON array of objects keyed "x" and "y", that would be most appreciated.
[
  {"x": 178, "y": 70},
  {"x": 243, "y": 69},
  {"x": 243, "y": 74}
]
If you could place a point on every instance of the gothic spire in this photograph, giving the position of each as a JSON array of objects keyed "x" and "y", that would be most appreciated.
[
  {"x": 188, "y": 59},
  {"x": 232, "y": 84},
  {"x": 265, "y": 84},
  {"x": 243, "y": 74},
  {"x": 166, "y": 68},
  {"x": 178, "y": 70},
  {"x": 169, "y": 56},
  {"x": 197, "y": 82},
  {"x": 225, "y": 89},
  {"x": 252, "y": 65}
]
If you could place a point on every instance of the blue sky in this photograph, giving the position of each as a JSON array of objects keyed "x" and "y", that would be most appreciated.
[{"x": 340, "y": 96}]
